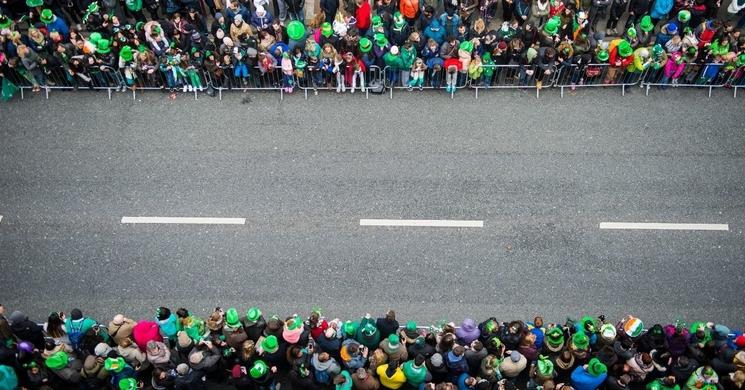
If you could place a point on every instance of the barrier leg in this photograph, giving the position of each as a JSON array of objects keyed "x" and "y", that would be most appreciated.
[
  {"x": 710, "y": 91},
  {"x": 219, "y": 93},
  {"x": 306, "y": 94},
  {"x": 647, "y": 93},
  {"x": 477, "y": 92},
  {"x": 22, "y": 92},
  {"x": 134, "y": 94},
  {"x": 281, "y": 94},
  {"x": 46, "y": 92},
  {"x": 623, "y": 90},
  {"x": 391, "y": 92},
  {"x": 562, "y": 91},
  {"x": 735, "y": 93},
  {"x": 195, "y": 94}
]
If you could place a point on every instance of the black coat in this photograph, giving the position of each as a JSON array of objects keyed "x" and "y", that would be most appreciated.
[{"x": 29, "y": 331}]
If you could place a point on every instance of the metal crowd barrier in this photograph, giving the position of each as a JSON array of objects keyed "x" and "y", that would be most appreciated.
[
  {"x": 433, "y": 79},
  {"x": 515, "y": 77},
  {"x": 737, "y": 79},
  {"x": 314, "y": 79},
  {"x": 596, "y": 75},
  {"x": 225, "y": 79},
  {"x": 709, "y": 75}
]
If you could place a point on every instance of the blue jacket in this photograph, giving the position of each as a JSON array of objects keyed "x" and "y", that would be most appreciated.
[
  {"x": 451, "y": 26},
  {"x": 660, "y": 8},
  {"x": 435, "y": 31},
  {"x": 262, "y": 22},
  {"x": 168, "y": 326},
  {"x": 59, "y": 26},
  {"x": 582, "y": 380},
  {"x": 462, "y": 381}
]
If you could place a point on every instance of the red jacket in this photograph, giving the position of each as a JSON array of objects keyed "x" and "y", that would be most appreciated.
[
  {"x": 363, "y": 16},
  {"x": 409, "y": 8},
  {"x": 625, "y": 61},
  {"x": 452, "y": 61}
]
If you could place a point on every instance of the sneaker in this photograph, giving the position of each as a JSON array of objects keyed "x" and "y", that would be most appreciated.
[
  {"x": 191, "y": 88},
  {"x": 421, "y": 88},
  {"x": 185, "y": 88},
  {"x": 409, "y": 88},
  {"x": 574, "y": 87},
  {"x": 352, "y": 91},
  {"x": 289, "y": 90}
]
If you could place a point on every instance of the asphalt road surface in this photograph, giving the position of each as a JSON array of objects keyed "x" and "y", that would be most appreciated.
[{"x": 542, "y": 175}]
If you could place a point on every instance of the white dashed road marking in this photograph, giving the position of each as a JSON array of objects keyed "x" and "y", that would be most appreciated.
[
  {"x": 186, "y": 220},
  {"x": 421, "y": 223},
  {"x": 664, "y": 226}
]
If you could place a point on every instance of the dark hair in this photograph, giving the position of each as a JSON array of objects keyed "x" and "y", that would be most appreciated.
[
  {"x": 163, "y": 313},
  {"x": 54, "y": 326},
  {"x": 419, "y": 359},
  {"x": 182, "y": 313}
]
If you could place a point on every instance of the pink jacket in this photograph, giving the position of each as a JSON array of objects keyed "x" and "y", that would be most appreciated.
[{"x": 672, "y": 68}]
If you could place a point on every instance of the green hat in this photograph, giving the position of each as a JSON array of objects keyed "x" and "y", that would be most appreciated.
[
  {"x": 231, "y": 317},
  {"x": 116, "y": 365},
  {"x": 350, "y": 328},
  {"x": 295, "y": 322},
  {"x": 126, "y": 53},
  {"x": 555, "y": 336},
  {"x": 596, "y": 368},
  {"x": 269, "y": 344},
  {"x": 411, "y": 326},
  {"x": 34, "y": 3},
  {"x": 646, "y": 24},
  {"x": 580, "y": 340},
  {"x": 207, "y": 54},
  {"x": 466, "y": 46},
  {"x": 46, "y": 16},
  {"x": 369, "y": 329},
  {"x": 94, "y": 38},
  {"x": 393, "y": 340},
  {"x": 552, "y": 26},
  {"x": 139, "y": 26},
  {"x": 128, "y": 384},
  {"x": 741, "y": 59},
  {"x": 624, "y": 48},
  {"x": 253, "y": 314},
  {"x": 684, "y": 15},
  {"x": 57, "y": 361},
  {"x": 365, "y": 45},
  {"x": 92, "y": 7},
  {"x": 326, "y": 29},
  {"x": 102, "y": 46},
  {"x": 380, "y": 39},
  {"x": 259, "y": 369},
  {"x": 603, "y": 55},
  {"x": 4, "y": 21},
  {"x": 657, "y": 50},
  {"x": 545, "y": 366},
  {"x": 398, "y": 19},
  {"x": 631, "y": 32},
  {"x": 491, "y": 325},
  {"x": 295, "y": 30},
  {"x": 377, "y": 21},
  {"x": 496, "y": 342},
  {"x": 589, "y": 324}
]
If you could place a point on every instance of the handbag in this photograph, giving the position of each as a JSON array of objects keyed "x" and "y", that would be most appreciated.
[{"x": 593, "y": 71}]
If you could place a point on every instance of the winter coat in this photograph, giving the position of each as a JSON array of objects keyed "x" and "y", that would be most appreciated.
[
  {"x": 369, "y": 383},
  {"x": 262, "y": 22},
  {"x": 121, "y": 332},
  {"x": 363, "y": 16},
  {"x": 210, "y": 359},
  {"x": 324, "y": 371},
  {"x": 145, "y": 331},
  {"x": 25, "y": 329},
  {"x": 351, "y": 362},
  {"x": 160, "y": 356},
  {"x": 637, "y": 369},
  {"x": 393, "y": 382},
  {"x": 193, "y": 380},
  {"x": 435, "y": 31},
  {"x": 582, "y": 380},
  {"x": 660, "y": 8},
  {"x": 59, "y": 26}
]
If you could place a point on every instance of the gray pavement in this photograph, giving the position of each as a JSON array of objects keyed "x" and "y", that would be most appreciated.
[{"x": 541, "y": 174}]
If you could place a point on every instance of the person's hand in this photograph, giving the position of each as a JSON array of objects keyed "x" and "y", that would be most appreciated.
[{"x": 274, "y": 370}]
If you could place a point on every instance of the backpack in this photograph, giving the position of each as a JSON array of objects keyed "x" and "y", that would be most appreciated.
[
  {"x": 376, "y": 87},
  {"x": 75, "y": 334}
]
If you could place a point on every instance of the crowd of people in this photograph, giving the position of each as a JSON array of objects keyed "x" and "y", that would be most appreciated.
[
  {"x": 252, "y": 350},
  {"x": 198, "y": 44}
]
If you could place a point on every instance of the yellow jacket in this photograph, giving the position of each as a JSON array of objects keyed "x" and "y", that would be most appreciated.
[{"x": 394, "y": 382}]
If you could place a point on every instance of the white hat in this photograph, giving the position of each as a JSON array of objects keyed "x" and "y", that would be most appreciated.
[{"x": 394, "y": 50}]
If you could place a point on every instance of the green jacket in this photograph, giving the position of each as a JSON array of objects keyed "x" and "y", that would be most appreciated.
[
  {"x": 134, "y": 5},
  {"x": 408, "y": 56},
  {"x": 395, "y": 62}
]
